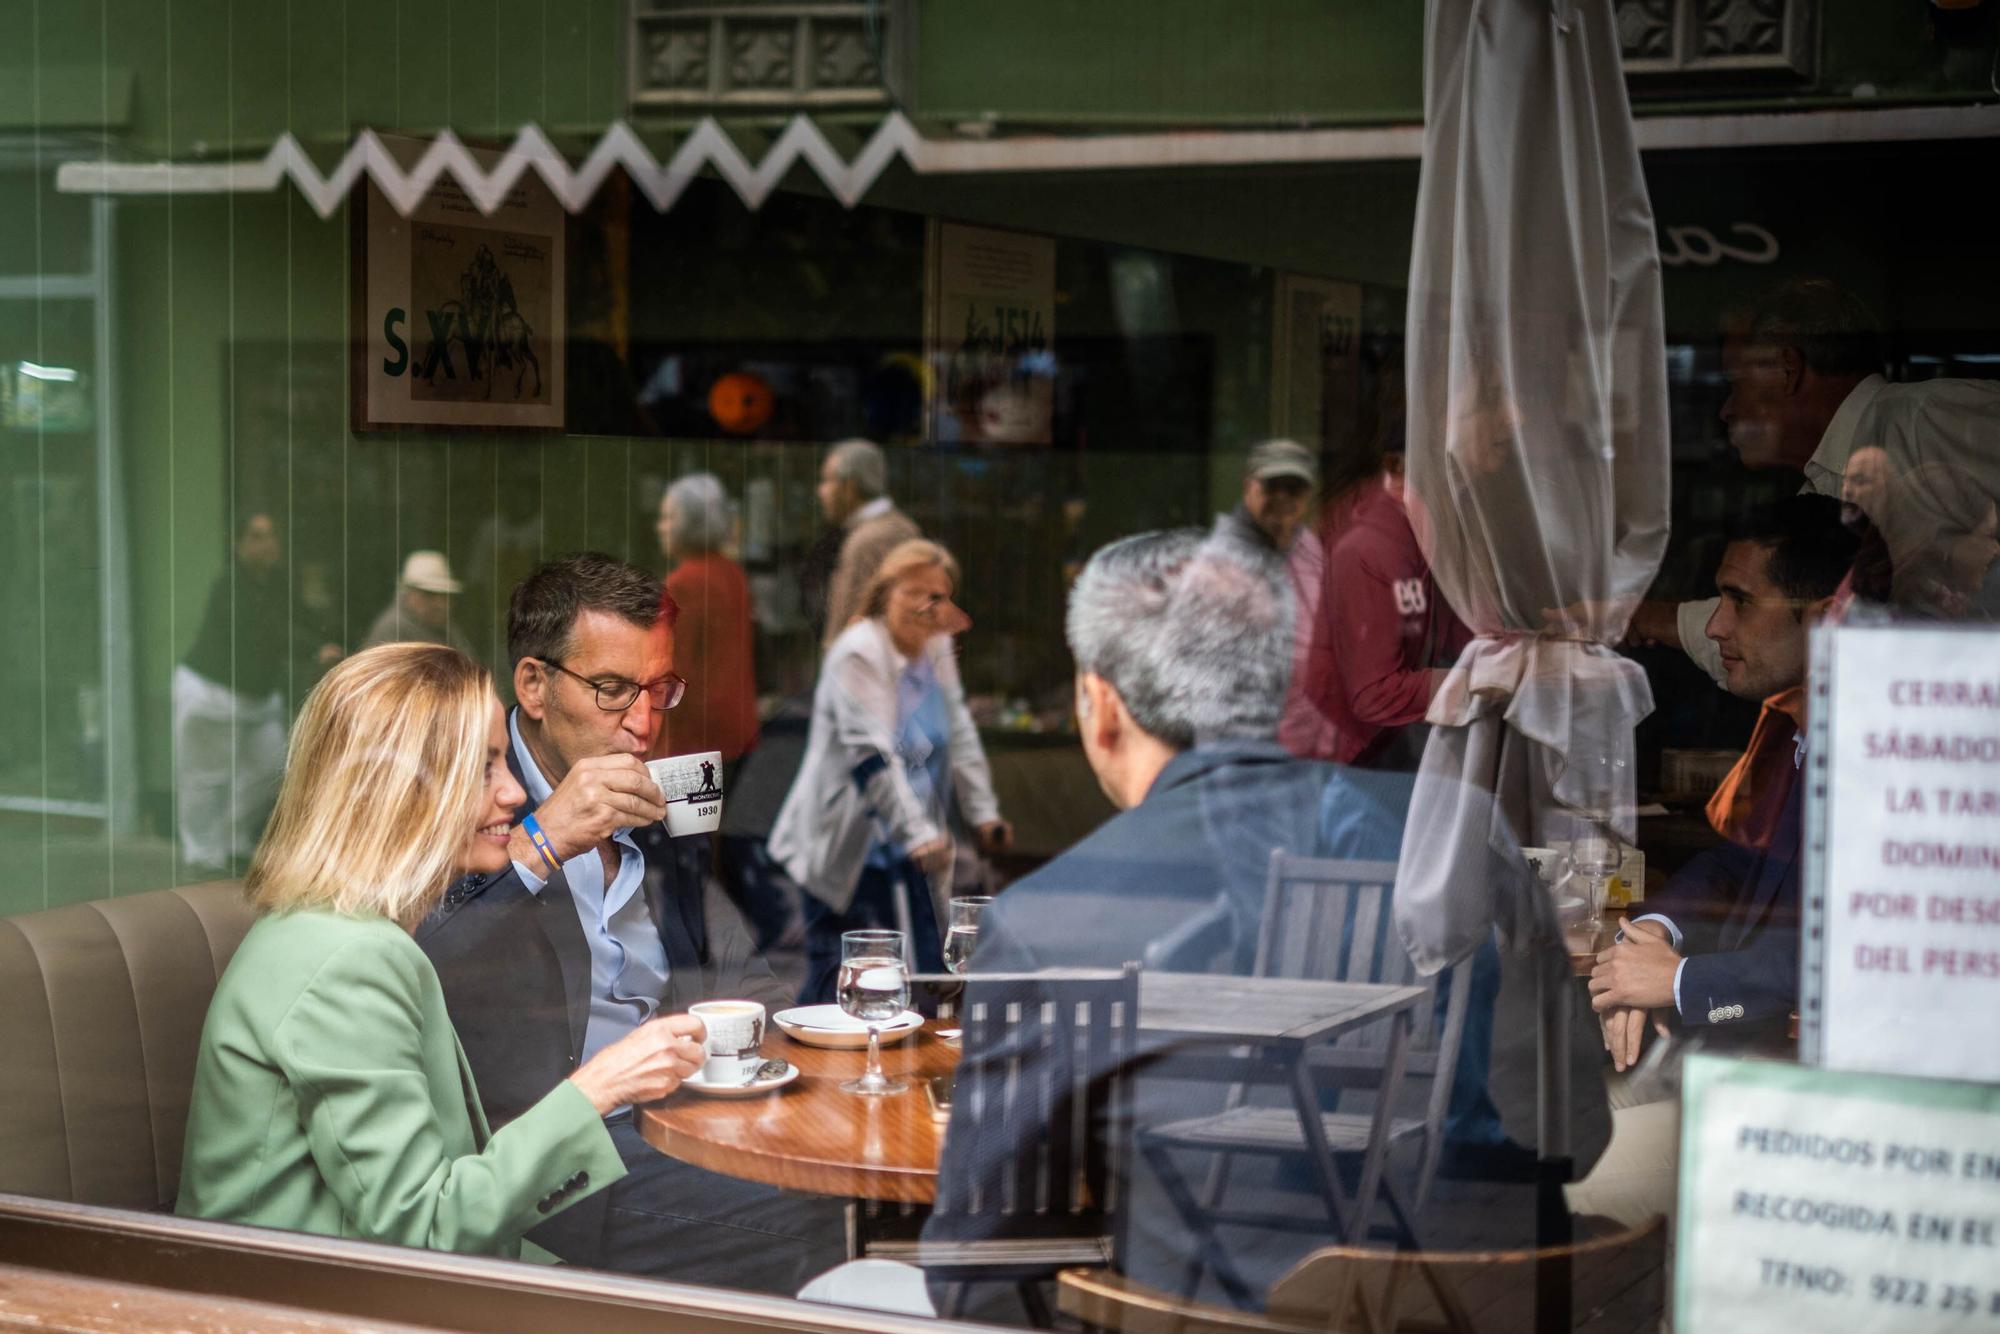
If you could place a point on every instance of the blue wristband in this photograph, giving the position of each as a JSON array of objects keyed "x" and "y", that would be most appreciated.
[{"x": 542, "y": 844}]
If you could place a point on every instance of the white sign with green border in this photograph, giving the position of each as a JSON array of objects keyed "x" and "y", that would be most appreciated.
[{"x": 1812, "y": 1199}]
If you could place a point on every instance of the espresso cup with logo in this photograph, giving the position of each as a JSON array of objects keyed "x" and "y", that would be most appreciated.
[
  {"x": 734, "y": 1040},
  {"x": 691, "y": 785}
]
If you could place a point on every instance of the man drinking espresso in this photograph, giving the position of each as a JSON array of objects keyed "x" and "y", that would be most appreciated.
[{"x": 596, "y": 928}]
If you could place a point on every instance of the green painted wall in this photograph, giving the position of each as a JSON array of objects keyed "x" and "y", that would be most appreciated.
[
  {"x": 229, "y": 314},
  {"x": 1333, "y": 62}
]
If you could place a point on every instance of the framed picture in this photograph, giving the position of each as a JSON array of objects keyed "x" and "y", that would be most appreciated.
[
  {"x": 989, "y": 335},
  {"x": 460, "y": 316}
]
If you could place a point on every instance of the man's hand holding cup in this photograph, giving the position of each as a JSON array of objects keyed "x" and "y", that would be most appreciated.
[{"x": 597, "y": 796}]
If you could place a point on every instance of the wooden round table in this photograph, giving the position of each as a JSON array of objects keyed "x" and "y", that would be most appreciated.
[{"x": 809, "y": 1135}]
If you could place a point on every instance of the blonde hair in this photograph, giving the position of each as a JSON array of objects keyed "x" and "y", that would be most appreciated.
[
  {"x": 903, "y": 560},
  {"x": 383, "y": 779}
]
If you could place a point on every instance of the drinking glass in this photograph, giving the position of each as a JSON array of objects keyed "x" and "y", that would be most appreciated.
[
  {"x": 963, "y": 934},
  {"x": 1596, "y": 860},
  {"x": 873, "y": 987}
]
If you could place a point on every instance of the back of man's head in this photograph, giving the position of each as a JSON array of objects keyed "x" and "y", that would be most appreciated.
[
  {"x": 862, "y": 463},
  {"x": 1810, "y": 549},
  {"x": 1194, "y": 633},
  {"x": 1834, "y": 332},
  {"x": 542, "y": 613}
]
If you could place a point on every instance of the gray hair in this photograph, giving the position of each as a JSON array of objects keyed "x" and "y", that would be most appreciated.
[
  {"x": 862, "y": 463},
  {"x": 1194, "y": 633},
  {"x": 701, "y": 512},
  {"x": 1833, "y": 329}
]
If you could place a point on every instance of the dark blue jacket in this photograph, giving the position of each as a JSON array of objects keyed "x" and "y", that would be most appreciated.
[{"x": 1738, "y": 913}]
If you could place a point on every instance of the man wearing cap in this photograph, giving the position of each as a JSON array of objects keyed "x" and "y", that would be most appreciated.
[
  {"x": 421, "y": 611},
  {"x": 1278, "y": 486}
]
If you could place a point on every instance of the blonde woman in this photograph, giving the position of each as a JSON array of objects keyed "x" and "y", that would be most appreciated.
[
  {"x": 891, "y": 751},
  {"x": 330, "y": 1093}
]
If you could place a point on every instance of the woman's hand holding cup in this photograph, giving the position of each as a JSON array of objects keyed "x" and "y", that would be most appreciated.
[{"x": 645, "y": 1065}]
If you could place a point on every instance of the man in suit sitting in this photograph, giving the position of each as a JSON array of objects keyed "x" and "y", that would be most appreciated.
[
  {"x": 1717, "y": 952},
  {"x": 1183, "y": 649},
  {"x": 596, "y": 927}
]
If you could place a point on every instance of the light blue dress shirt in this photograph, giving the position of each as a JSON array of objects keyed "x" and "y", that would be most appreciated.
[{"x": 628, "y": 961}]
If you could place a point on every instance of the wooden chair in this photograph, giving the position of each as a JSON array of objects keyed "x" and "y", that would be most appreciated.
[
  {"x": 1056, "y": 1206},
  {"x": 1359, "y": 1290},
  {"x": 1329, "y": 920}
]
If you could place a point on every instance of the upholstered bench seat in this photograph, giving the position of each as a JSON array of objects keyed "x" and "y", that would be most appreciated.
[{"x": 101, "y": 1007}]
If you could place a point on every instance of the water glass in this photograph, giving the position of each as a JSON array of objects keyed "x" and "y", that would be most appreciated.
[
  {"x": 873, "y": 987},
  {"x": 962, "y": 936}
]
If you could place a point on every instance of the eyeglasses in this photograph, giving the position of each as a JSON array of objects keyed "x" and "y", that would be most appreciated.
[{"x": 618, "y": 695}]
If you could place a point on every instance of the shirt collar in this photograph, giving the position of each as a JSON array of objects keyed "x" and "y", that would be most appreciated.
[
  {"x": 1829, "y": 462},
  {"x": 1190, "y": 765},
  {"x": 874, "y": 509},
  {"x": 531, "y": 773}
]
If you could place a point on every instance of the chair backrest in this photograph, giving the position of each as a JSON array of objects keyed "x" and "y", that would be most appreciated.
[
  {"x": 1105, "y": 1299},
  {"x": 1070, "y": 1038},
  {"x": 101, "y": 1009},
  {"x": 1373, "y": 1289},
  {"x": 1330, "y": 921},
  {"x": 1334, "y": 921}
]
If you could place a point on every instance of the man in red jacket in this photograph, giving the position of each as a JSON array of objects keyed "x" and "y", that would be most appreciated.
[{"x": 1384, "y": 637}]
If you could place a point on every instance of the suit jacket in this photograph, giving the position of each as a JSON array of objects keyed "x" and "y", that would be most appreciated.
[
  {"x": 1199, "y": 847},
  {"x": 853, "y": 770},
  {"x": 331, "y": 1096},
  {"x": 1737, "y": 910},
  {"x": 516, "y": 967},
  {"x": 861, "y": 553}
]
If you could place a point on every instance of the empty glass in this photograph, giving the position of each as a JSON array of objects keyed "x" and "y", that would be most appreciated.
[
  {"x": 873, "y": 987},
  {"x": 963, "y": 933},
  {"x": 1596, "y": 860}
]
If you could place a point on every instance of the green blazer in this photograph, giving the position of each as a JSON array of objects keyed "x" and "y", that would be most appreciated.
[{"x": 331, "y": 1096}]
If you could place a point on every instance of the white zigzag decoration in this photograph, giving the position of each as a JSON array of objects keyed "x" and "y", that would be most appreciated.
[{"x": 707, "y": 145}]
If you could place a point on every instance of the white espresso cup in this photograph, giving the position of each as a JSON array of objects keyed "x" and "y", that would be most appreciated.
[
  {"x": 734, "y": 1040},
  {"x": 691, "y": 785}
]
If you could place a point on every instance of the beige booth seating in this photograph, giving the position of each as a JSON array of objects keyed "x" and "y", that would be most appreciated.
[{"x": 101, "y": 1007}]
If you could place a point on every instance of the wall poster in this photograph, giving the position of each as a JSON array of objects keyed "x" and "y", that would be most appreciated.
[
  {"x": 989, "y": 336},
  {"x": 460, "y": 316}
]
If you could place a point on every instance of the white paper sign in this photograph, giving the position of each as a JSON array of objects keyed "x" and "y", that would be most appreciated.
[
  {"x": 1901, "y": 961},
  {"x": 1812, "y": 1200}
]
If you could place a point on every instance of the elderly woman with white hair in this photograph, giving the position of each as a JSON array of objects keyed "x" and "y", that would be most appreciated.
[
  {"x": 712, "y": 638},
  {"x": 891, "y": 756},
  {"x": 713, "y": 644}
]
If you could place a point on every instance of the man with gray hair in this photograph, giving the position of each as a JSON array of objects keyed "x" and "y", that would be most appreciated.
[
  {"x": 1183, "y": 648},
  {"x": 853, "y": 495}
]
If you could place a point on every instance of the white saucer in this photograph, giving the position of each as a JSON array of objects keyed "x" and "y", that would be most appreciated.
[
  {"x": 750, "y": 1090},
  {"x": 831, "y": 1026}
]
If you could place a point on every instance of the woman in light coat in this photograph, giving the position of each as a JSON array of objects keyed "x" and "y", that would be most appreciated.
[{"x": 865, "y": 828}]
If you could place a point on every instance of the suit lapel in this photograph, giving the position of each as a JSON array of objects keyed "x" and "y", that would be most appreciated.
[{"x": 555, "y": 911}]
